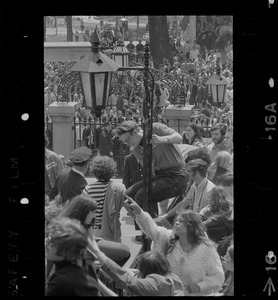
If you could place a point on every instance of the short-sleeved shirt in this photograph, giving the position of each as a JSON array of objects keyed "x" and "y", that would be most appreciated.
[{"x": 165, "y": 156}]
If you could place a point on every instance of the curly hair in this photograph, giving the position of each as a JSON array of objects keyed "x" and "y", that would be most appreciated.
[
  {"x": 195, "y": 230},
  {"x": 103, "y": 167},
  {"x": 69, "y": 238}
]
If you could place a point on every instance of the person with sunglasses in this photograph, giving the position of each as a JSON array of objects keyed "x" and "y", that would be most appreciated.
[
  {"x": 83, "y": 208},
  {"x": 169, "y": 171}
]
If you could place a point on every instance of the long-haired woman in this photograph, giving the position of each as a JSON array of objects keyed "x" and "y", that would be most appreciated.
[{"x": 189, "y": 251}]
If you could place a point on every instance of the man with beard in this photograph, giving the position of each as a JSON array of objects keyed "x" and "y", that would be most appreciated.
[{"x": 218, "y": 132}]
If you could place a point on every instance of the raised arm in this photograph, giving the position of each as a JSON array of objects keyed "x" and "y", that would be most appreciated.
[{"x": 146, "y": 223}]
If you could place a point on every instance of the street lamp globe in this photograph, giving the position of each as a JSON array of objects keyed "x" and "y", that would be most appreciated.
[
  {"x": 217, "y": 87},
  {"x": 95, "y": 71},
  {"x": 123, "y": 23},
  {"x": 120, "y": 54}
]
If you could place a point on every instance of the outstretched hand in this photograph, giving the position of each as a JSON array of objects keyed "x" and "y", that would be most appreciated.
[{"x": 132, "y": 207}]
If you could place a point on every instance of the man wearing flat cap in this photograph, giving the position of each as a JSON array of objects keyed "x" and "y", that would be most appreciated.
[{"x": 71, "y": 182}]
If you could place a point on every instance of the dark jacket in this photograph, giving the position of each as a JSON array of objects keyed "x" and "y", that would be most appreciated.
[
  {"x": 201, "y": 94},
  {"x": 106, "y": 143},
  {"x": 133, "y": 171},
  {"x": 69, "y": 184},
  {"x": 70, "y": 280},
  {"x": 218, "y": 227}
]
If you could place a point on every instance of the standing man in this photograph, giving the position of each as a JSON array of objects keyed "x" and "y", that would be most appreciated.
[
  {"x": 71, "y": 182},
  {"x": 133, "y": 170},
  {"x": 53, "y": 167},
  {"x": 106, "y": 142},
  {"x": 169, "y": 175},
  {"x": 218, "y": 132},
  {"x": 164, "y": 95}
]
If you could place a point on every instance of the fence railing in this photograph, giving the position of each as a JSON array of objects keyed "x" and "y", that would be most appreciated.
[{"x": 91, "y": 132}]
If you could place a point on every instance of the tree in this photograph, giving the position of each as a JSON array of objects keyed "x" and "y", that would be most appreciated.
[
  {"x": 159, "y": 39},
  {"x": 69, "y": 29}
]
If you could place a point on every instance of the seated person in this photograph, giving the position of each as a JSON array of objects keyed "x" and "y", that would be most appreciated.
[
  {"x": 217, "y": 218},
  {"x": 83, "y": 208},
  {"x": 153, "y": 277},
  {"x": 65, "y": 245}
]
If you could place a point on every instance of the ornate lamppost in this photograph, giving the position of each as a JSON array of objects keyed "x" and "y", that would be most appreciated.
[
  {"x": 147, "y": 135},
  {"x": 95, "y": 71}
]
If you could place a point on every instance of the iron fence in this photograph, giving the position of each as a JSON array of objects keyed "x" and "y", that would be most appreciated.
[
  {"x": 87, "y": 132},
  {"x": 91, "y": 132}
]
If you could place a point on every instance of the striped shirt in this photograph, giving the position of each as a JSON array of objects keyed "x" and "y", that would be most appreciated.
[{"x": 97, "y": 191}]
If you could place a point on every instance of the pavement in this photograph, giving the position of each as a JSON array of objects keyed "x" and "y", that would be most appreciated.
[{"x": 128, "y": 230}]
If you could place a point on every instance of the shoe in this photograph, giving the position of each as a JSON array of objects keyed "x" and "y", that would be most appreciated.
[{"x": 137, "y": 239}]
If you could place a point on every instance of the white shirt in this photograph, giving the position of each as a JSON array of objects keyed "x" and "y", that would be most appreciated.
[{"x": 202, "y": 266}]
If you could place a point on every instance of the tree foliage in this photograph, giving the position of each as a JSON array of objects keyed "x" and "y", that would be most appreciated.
[
  {"x": 69, "y": 29},
  {"x": 159, "y": 39}
]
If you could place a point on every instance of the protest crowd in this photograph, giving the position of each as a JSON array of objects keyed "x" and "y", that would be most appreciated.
[{"x": 192, "y": 239}]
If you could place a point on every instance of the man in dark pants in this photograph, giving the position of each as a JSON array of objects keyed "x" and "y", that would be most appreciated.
[
  {"x": 132, "y": 173},
  {"x": 170, "y": 178},
  {"x": 71, "y": 182}
]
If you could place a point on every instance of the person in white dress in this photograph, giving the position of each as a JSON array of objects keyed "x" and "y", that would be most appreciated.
[{"x": 189, "y": 251}]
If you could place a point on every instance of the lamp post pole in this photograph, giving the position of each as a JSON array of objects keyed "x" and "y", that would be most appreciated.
[{"x": 147, "y": 135}]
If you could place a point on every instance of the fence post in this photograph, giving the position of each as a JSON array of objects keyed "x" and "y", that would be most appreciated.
[{"x": 63, "y": 129}]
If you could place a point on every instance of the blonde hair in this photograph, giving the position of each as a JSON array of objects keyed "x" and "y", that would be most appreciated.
[{"x": 224, "y": 159}]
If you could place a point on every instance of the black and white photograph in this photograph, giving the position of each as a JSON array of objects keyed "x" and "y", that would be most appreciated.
[
  {"x": 122, "y": 174},
  {"x": 139, "y": 122}
]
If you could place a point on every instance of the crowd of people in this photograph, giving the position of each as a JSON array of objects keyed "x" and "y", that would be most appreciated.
[
  {"x": 126, "y": 102},
  {"x": 191, "y": 243},
  {"x": 191, "y": 240}
]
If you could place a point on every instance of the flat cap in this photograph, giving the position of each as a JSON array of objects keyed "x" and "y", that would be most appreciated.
[{"x": 80, "y": 155}]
